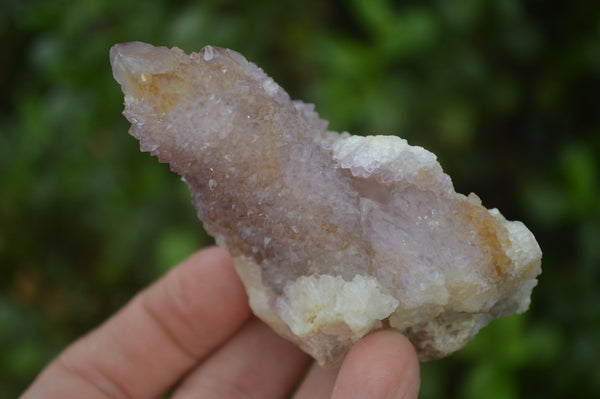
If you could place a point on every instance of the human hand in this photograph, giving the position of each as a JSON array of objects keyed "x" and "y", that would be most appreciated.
[{"x": 194, "y": 327}]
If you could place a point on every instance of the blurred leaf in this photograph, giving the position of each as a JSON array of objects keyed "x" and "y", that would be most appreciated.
[
  {"x": 490, "y": 381},
  {"x": 173, "y": 247},
  {"x": 457, "y": 124},
  {"x": 580, "y": 170},
  {"x": 503, "y": 342},
  {"x": 433, "y": 380},
  {"x": 546, "y": 202}
]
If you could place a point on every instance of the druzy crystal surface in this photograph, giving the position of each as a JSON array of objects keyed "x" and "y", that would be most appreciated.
[{"x": 333, "y": 235}]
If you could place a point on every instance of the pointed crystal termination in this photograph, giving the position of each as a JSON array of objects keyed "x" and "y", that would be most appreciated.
[{"x": 333, "y": 235}]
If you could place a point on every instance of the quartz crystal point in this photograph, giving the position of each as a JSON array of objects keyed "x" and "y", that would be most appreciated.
[{"x": 333, "y": 235}]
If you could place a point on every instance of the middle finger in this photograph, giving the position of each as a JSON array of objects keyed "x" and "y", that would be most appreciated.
[{"x": 256, "y": 362}]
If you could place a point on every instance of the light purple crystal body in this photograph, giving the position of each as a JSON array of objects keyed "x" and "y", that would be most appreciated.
[{"x": 333, "y": 235}]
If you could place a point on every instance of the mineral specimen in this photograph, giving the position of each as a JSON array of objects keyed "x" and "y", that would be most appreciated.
[{"x": 333, "y": 235}]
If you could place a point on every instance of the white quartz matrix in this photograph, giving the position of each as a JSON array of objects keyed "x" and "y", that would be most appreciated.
[{"x": 333, "y": 235}]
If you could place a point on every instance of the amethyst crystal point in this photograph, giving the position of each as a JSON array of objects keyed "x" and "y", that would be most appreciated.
[{"x": 333, "y": 235}]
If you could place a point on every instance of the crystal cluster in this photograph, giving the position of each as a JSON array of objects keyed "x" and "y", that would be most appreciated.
[{"x": 333, "y": 235}]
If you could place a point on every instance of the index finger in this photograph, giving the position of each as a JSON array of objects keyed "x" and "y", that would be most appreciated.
[{"x": 162, "y": 333}]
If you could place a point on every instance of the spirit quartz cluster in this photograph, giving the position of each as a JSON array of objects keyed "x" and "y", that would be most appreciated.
[{"x": 333, "y": 235}]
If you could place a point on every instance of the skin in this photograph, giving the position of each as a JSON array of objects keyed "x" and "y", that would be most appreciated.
[{"x": 193, "y": 330}]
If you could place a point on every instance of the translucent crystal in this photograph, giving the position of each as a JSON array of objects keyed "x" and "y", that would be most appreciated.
[{"x": 333, "y": 235}]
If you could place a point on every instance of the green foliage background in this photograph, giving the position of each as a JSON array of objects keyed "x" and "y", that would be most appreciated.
[{"x": 505, "y": 92}]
